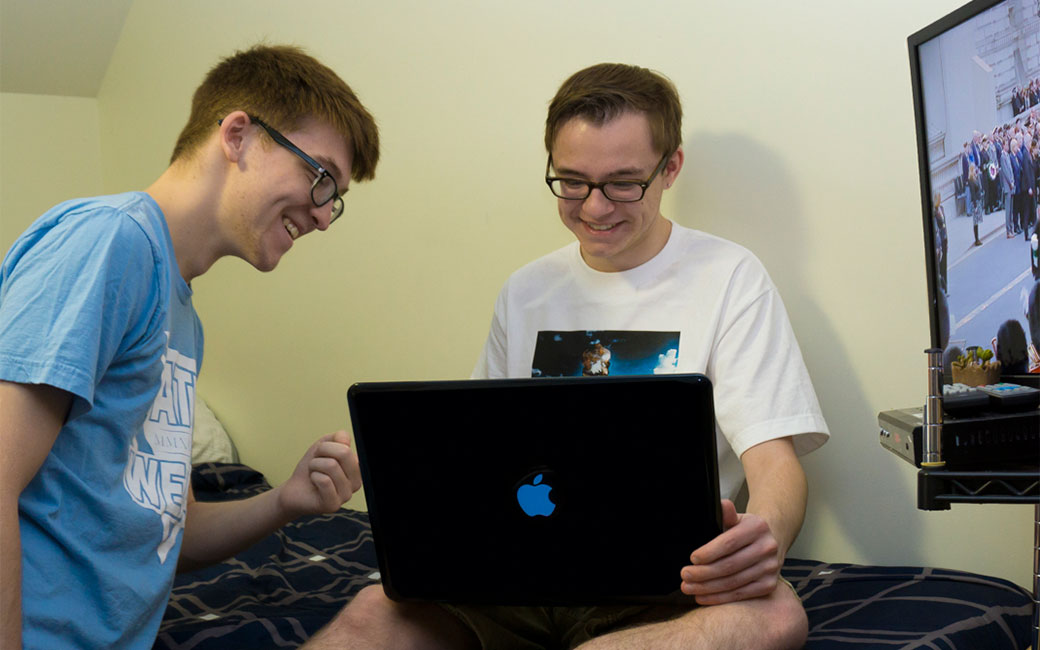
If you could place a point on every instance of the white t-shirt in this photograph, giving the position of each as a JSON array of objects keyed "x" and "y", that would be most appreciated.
[{"x": 702, "y": 304}]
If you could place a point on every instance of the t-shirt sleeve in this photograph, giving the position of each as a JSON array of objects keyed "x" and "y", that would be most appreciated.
[
  {"x": 762, "y": 387},
  {"x": 492, "y": 363},
  {"x": 74, "y": 296}
]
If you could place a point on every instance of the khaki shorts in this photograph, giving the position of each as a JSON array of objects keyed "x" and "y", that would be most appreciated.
[{"x": 542, "y": 628}]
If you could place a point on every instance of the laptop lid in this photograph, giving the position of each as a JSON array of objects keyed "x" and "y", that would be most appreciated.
[{"x": 545, "y": 491}]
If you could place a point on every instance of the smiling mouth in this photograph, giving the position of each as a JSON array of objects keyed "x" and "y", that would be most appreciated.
[
  {"x": 601, "y": 227},
  {"x": 290, "y": 228}
]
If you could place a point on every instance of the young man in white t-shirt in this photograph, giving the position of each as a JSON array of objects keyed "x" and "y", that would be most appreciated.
[{"x": 636, "y": 294}]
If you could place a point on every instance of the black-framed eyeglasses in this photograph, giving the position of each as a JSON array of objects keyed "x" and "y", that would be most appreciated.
[
  {"x": 577, "y": 189},
  {"x": 324, "y": 188}
]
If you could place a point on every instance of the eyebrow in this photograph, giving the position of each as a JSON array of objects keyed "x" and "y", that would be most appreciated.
[
  {"x": 626, "y": 173},
  {"x": 331, "y": 167}
]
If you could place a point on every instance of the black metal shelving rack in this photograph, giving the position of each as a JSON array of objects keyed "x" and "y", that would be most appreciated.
[{"x": 939, "y": 488}]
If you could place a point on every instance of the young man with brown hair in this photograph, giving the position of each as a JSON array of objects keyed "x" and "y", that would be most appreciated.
[
  {"x": 613, "y": 136},
  {"x": 100, "y": 350}
]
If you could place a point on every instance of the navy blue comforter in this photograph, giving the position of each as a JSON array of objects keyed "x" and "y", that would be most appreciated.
[{"x": 281, "y": 591}]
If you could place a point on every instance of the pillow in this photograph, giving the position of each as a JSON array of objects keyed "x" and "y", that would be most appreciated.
[{"x": 210, "y": 442}]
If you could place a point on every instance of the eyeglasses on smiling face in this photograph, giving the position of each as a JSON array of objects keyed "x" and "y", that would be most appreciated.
[
  {"x": 621, "y": 191},
  {"x": 324, "y": 188}
]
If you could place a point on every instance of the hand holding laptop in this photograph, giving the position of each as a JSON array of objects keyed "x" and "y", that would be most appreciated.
[{"x": 742, "y": 562}]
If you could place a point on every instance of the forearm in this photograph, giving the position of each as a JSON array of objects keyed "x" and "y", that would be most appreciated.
[
  {"x": 325, "y": 478},
  {"x": 216, "y": 531},
  {"x": 10, "y": 576},
  {"x": 777, "y": 489},
  {"x": 31, "y": 417}
]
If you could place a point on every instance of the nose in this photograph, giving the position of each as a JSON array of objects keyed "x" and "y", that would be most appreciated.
[
  {"x": 597, "y": 203},
  {"x": 322, "y": 216}
]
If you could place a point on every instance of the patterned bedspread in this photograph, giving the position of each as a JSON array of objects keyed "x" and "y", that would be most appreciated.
[
  {"x": 281, "y": 591},
  {"x": 277, "y": 593},
  {"x": 854, "y": 607}
]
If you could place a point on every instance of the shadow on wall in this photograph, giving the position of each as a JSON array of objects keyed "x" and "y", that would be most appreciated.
[{"x": 739, "y": 189}]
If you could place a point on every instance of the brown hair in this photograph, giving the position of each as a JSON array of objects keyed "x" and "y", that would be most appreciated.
[
  {"x": 606, "y": 90},
  {"x": 283, "y": 86}
]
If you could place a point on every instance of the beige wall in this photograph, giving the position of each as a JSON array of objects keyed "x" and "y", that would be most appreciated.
[
  {"x": 800, "y": 145},
  {"x": 49, "y": 151}
]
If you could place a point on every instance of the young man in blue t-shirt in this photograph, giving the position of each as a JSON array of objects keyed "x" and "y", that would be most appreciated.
[{"x": 100, "y": 350}]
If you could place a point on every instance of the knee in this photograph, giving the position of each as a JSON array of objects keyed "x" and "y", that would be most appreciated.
[
  {"x": 786, "y": 620},
  {"x": 369, "y": 609},
  {"x": 371, "y": 596},
  {"x": 371, "y": 620}
]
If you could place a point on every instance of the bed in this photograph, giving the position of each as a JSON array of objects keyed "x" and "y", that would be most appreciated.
[{"x": 282, "y": 590}]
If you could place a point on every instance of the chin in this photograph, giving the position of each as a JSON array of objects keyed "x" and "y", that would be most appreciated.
[
  {"x": 265, "y": 264},
  {"x": 601, "y": 250},
  {"x": 270, "y": 266},
  {"x": 267, "y": 258}
]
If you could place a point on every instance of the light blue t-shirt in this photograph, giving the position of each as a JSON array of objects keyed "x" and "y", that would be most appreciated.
[{"x": 92, "y": 302}]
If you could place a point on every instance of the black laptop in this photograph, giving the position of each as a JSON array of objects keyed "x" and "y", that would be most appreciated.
[{"x": 546, "y": 491}]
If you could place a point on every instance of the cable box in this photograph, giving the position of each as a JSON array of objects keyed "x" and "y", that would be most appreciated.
[{"x": 990, "y": 441}]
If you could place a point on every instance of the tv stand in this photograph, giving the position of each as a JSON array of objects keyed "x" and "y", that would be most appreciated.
[{"x": 939, "y": 488}]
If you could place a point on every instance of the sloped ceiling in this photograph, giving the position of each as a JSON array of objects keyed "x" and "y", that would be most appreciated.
[{"x": 58, "y": 47}]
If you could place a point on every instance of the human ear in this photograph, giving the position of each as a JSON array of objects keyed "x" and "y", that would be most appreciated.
[
  {"x": 671, "y": 169},
  {"x": 234, "y": 135}
]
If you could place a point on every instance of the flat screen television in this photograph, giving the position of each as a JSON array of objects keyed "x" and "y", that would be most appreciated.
[{"x": 976, "y": 88}]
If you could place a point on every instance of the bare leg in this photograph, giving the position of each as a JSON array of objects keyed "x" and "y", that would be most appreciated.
[
  {"x": 777, "y": 621},
  {"x": 371, "y": 620}
]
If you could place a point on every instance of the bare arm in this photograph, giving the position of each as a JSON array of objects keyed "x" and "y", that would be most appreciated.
[
  {"x": 30, "y": 418},
  {"x": 744, "y": 561},
  {"x": 777, "y": 489},
  {"x": 324, "y": 479}
]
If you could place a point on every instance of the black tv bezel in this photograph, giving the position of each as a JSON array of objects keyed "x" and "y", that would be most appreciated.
[{"x": 914, "y": 42}]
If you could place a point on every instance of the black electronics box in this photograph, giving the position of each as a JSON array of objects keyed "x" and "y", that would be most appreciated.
[{"x": 990, "y": 441}]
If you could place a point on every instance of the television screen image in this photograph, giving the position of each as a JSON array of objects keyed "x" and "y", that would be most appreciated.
[{"x": 976, "y": 83}]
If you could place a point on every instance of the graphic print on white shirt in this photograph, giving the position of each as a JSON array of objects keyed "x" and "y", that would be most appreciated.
[
  {"x": 605, "y": 352},
  {"x": 159, "y": 466}
]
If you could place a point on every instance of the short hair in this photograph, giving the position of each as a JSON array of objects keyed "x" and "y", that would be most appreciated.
[
  {"x": 284, "y": 86},
  {"x": 1012, "y": 347},
  {"x": 949, "y": 356},
  {"x": 1033, "y": 313},
  {"x": 604, "y": 91}
]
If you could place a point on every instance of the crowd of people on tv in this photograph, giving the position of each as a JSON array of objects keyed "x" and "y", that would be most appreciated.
[
  {"x": 1000, "y": 171},
  {"x": 1026, "y": 97}
]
